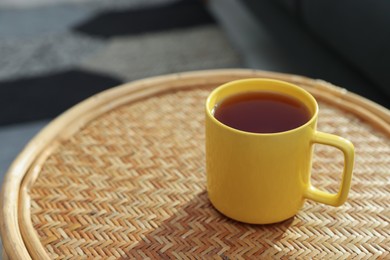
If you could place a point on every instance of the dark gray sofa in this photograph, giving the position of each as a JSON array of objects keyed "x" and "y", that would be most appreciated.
[{"x": 350, "y": 38}]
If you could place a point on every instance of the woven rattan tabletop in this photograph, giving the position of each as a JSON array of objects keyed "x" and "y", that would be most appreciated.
[{"x": 122, "y": 175}]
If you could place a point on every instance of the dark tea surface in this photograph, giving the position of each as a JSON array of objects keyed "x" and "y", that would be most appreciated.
[{"x": 262, "y": 112}]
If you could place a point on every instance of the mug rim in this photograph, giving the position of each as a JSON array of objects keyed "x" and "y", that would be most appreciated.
[{"x": 262, "y": 80}]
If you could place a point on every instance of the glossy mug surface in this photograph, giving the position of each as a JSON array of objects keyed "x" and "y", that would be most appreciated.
[{"x": 263, "y": 178}]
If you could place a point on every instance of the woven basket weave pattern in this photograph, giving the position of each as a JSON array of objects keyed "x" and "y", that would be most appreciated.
[{"x": 132, "y": 184}]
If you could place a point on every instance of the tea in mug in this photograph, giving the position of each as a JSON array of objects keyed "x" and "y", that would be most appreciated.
[{"x": 262, "y": 112}]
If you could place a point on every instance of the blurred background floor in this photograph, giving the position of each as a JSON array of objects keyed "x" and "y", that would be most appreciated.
[{"x": 54, "y": 54}]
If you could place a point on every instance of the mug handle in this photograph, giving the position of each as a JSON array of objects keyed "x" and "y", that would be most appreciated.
[{"x": 348, "y": 150}]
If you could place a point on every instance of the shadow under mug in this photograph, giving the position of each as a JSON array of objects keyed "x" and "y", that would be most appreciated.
[{"x": 265, "y": 178}]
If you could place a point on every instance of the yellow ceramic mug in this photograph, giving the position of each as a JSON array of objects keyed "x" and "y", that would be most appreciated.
[{"x": 265, "y": 178}]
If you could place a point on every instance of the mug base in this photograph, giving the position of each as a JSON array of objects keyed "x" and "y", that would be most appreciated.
[{"x": 253, "y": 220}]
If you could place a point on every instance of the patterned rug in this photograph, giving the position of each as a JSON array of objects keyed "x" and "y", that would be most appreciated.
[{"x": 55, "y": 55}]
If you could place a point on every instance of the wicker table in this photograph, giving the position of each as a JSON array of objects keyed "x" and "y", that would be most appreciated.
[{"x": 121, "y": 175}]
